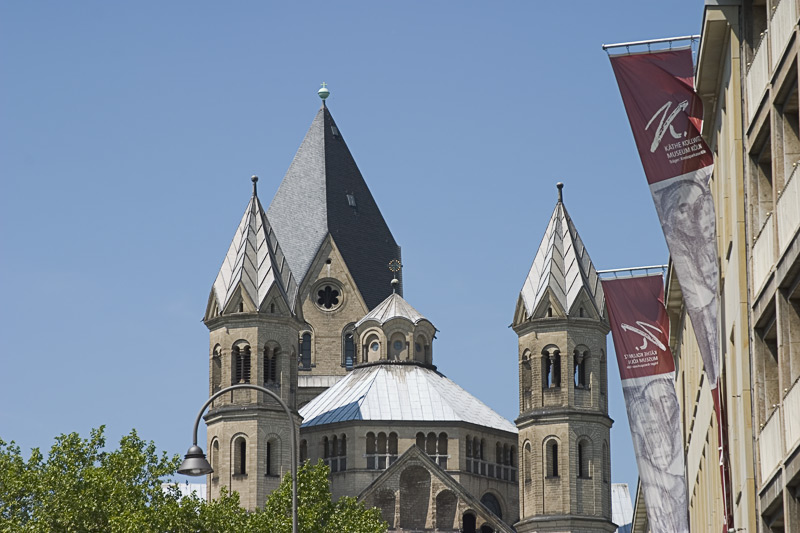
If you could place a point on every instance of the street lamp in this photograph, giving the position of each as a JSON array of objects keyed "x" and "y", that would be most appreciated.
[{"x": 195, "y": 463}]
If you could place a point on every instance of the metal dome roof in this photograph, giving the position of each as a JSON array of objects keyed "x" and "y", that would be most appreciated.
[{"x": 399, "y": 391}]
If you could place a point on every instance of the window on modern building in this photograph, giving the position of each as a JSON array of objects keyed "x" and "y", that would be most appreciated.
[
  {"x": 584, "y": 459},
  {"x": 305, "y": 351},
  {"x": 303, "y": 451},
  {"x": 551, "y": 458},
  {"x": 766, "y": 362},
  {"x": 241, "y": 358},
  {"x": 240, "y": 456},
  {"x": 761, "y": 183}
]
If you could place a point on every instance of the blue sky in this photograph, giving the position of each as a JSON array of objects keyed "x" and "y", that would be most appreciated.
[{"x": 129, "y": 132}]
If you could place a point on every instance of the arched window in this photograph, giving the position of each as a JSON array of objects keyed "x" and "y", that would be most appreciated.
[
  {"x": 579, "y": 362},
  {"x": 305, "y": 351},
  {"x": 584, "y": 458},
  {"x": 602, "y": 373},
  {"x": 333, "y": 462},
  {"x": 272, "y": 453},
  {"x": 371, "y": 451},
  {"x": 240, "y": 456},
  {"x": 343, "y": 452},
  {"x": 372, "y": 349},
  {"x": 468, "y": 523},
  {"x": 421, "y": 440},
  {"x": 421, "y": 350},
  {"x": 551, "y": 458},
  {"x": 551, "y": 369},
  {"x": 398, "y": 349},
  {"x": 349, "y": 349},
  {"x": 492, "y": 503},
  {"x": 326, "y": 448},
  {"x": 381, "y": 451},
  {"x": 526, "y": 462},
  {"x": 215, "y": 461},
  {"x": 606, "y": 463},
  {"x": 241, "y": 358},
  {"x": 216, "y": 369},
  {"x": 430, "y": 444},
  {"x": 441, "y": 450},
  {"x": 271, "y": 365},
  {"x": 303, "y": 451},
  {"x": 498, "y": 453}
]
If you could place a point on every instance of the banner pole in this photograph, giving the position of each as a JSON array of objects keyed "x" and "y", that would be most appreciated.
[{"x": 652, "y": 41}]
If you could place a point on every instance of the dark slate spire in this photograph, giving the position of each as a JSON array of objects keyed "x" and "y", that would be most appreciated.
[{"x": 323, "y": 192}]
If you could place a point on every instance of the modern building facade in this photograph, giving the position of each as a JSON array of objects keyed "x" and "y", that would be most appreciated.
[
  {"x": 746, "y": 74},
  {"x": 308, "y": 302}
]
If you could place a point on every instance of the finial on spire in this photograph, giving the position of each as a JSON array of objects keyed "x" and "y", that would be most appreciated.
[
  {"x": 254, "y": 179},
  {"x": 560, "y": 187},
  {"x": 395, "y": 266},
  {"x": 324, "y": 92}
]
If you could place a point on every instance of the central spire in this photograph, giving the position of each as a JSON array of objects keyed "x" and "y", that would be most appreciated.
[{"x": 324, "y": 193}]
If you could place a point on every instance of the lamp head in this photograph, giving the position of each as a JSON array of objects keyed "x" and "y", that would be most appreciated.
[{"x": 195, "y": 464}]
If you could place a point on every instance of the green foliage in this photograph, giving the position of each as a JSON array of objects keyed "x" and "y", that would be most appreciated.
[{"x": 82, "y": 488}]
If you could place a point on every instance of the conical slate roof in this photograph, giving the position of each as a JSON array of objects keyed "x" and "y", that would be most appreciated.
[
  {"x": 392, "y": 307},
  {"x": 562, "y": 264},
  {"x": 392, "y": 392},
  {"x": 323, "y": 192},
  {"x": 255, "y": 262}
]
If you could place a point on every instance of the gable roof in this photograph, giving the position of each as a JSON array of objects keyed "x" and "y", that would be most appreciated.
[
  {"x": 414, "y": 454},
  {"x": 399, "y": 391},
  {"x": 394, "y": 306},
  {"x": 254, "y": 262},
  {"x": 563, "y": 266},
  {"x": 312, "y": 201}
]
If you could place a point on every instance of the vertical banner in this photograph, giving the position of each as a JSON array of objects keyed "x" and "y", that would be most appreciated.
[
  {"x": 640, "y": 329},
  {"x": 665, "y": 115}
]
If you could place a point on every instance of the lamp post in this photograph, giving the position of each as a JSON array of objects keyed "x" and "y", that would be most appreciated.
[{"x": 195, "y": 463}]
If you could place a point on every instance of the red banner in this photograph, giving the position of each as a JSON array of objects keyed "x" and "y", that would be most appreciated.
[
  {"x": 665, "y": 115},
  {"x": 640, "y": 329},
  {"x": 639, "y": 326}
]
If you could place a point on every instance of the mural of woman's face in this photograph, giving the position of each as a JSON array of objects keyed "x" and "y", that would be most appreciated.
[
  {"x": 692, "y": 212},
  {"x": 659, "y": 405}
]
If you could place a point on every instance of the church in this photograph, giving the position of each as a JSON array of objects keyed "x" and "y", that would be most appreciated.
[{"x": 309, "y": 303}]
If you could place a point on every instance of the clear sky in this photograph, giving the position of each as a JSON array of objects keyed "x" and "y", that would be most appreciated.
[{"x": 129, "y": 132}]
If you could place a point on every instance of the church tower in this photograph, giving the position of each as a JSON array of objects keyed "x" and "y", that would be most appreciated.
[
  {"x": 254, "y": 323},
  {"x": 564, "y": 427}
]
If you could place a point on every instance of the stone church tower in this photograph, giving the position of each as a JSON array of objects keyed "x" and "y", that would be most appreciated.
[
  {"x": 564, "y": 482},
  {"x": 254, "y": 323}
]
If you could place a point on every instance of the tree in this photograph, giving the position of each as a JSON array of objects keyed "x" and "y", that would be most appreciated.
[{"x": 82, "y": 488}]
